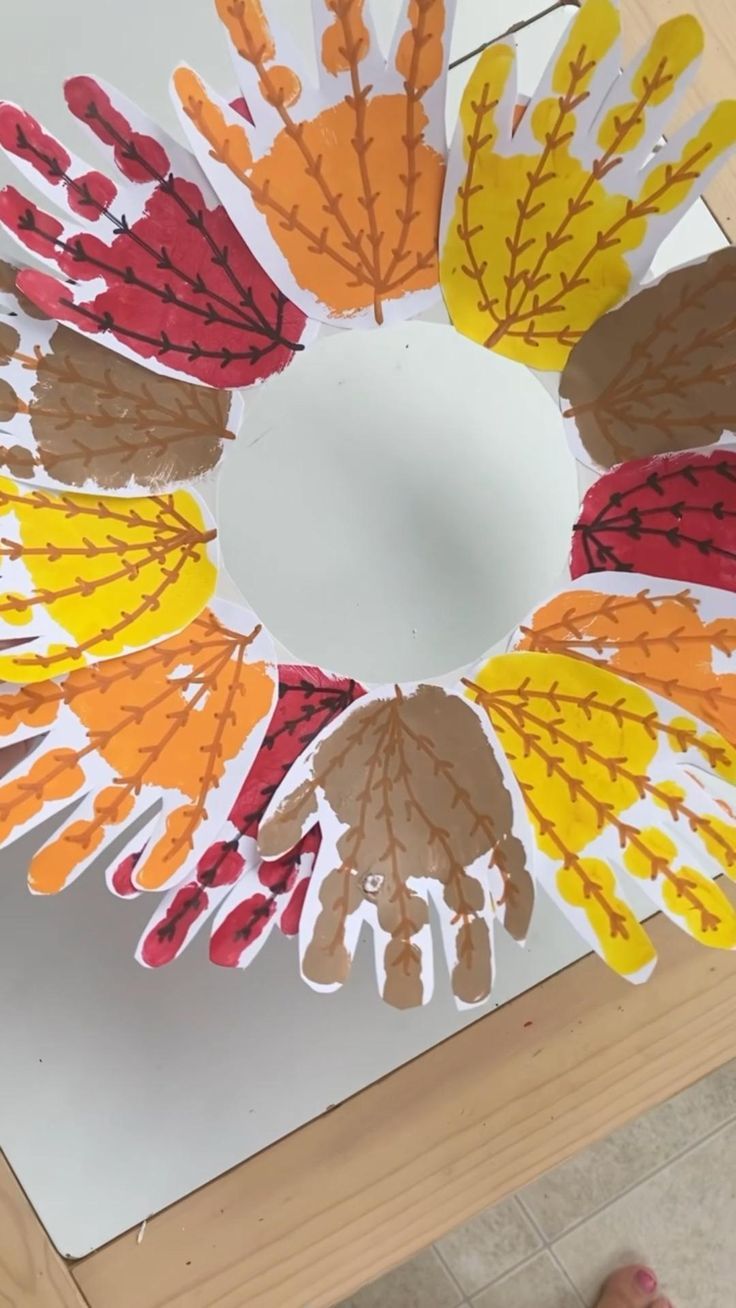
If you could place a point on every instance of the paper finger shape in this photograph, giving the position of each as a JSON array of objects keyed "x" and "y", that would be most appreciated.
[
  {"x": 76, "y": 414},
  {"x": 413, "y": 803},
  {"x": 672, "y": 516},
  {"x": 658, "y": 374},
  {"x": 85, "y": 578},
  {"x": 181, "y": 290},
  {"x": 547, "y": 226},
  {"x": 250, "y": 896},
  {"x": 336, "y": 188},
  {"x": 174, "y": 725},
  {"x": 610, "y": 777},
  {"x": 678, "y": 641}
]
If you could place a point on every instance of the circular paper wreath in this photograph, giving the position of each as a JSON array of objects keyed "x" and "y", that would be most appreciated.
[{"x": 602, "y": 747}]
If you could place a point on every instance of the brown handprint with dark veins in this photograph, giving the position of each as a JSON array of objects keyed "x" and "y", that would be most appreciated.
[{"x": 412, "y": 802}]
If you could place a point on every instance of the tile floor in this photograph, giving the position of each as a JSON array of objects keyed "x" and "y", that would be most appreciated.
[{"x": 662, "y": 1189}]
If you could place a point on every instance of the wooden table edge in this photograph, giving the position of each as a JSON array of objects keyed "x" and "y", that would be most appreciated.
[
  {"x": 32, "y": 1273},
  {"x": 357, "y": 1191},
  {"x": 360, "y": 1189}
]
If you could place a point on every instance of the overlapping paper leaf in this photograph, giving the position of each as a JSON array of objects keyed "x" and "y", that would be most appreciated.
[
  {"x": 658, "y": 374},
  {"x": 678, "y": 641},
  {"x": 671, "y": 516},
  {"x": 337, "y": 188},
  {"x": 75, "y": 414},
  {"x": 181, "y": 290},
  {"x": 413, "y": 803},
  {"x": 618, "y": 783},
  {"x": 546, "y": 227},
  {"x": 174, "y": 725},
  {"x": 252, "y": 896},
  {"x": 84, "y": 578}
]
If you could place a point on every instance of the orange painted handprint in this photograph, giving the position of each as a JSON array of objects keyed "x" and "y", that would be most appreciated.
[
  {"x": 166, "y": 731},
  {"x": 337, "y": 188},
  {"x": 677, "y": 641}
]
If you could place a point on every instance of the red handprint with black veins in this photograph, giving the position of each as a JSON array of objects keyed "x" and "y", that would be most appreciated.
[
  {"x": 665, "y": 516},
  {"x": 258, "y": 895},
  {"x": 181, "y": 286}
]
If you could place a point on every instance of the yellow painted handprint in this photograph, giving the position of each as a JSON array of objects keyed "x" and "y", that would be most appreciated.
[
  {"x": 605, "y": 770},
  {"x": 547, "y": 226},
  {"x": 84, "y": 578},
  {"x": 678, "y": 641}
]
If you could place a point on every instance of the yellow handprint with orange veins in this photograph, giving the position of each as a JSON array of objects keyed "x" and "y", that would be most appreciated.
[
  {"x": 546, "y": 227},
  {"x": 337, "y": 191},
  {"x": 89, "y": 577},
  {"x": 604, "y": 770}
]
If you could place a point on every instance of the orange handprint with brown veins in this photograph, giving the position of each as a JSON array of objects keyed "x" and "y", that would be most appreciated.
[
  {"x": 339, "y": 186},
  {"x": 165, "y": 731}
]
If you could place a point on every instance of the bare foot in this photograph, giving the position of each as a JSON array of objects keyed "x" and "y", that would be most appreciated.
[{"x": 632, "y": 1287}]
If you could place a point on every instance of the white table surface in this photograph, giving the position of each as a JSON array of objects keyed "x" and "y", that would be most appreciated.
[{"x": 122, "y": 1090}]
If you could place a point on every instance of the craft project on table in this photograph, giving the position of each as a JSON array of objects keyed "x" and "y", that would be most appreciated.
[{"x": 600, "y": 749}]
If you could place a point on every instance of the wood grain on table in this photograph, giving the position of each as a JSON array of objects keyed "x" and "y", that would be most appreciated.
[
  {"x": 32, "y": 1274},
  {"x": 715, "y": 80}
]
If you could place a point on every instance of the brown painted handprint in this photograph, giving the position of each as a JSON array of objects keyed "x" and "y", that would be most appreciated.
[
  {"x": 75, "y": 414},
  {"x": 413, "y": 803}
]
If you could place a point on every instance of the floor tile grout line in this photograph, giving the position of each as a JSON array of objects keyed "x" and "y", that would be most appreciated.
[
  {"x": 532, "y": 1219},
  {"x": 509, "y": 1271},
  {"x": 648, "y": 1176},
  {"x": 548, "y": 1242},
  {"x": 515, "y": 1266},
  {"x": 519, "y": 1267},
  {"x": 460, "y": 1289},
  {"x": 566, "y": 1277}
]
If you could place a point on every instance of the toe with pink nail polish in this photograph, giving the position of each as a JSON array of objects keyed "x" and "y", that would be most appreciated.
[
  {"x": 645, "y": 1280},
  {"x": 632, "y": 1287}
]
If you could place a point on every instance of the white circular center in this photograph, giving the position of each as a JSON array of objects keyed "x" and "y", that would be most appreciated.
[{"x": 396, "y": 501}]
